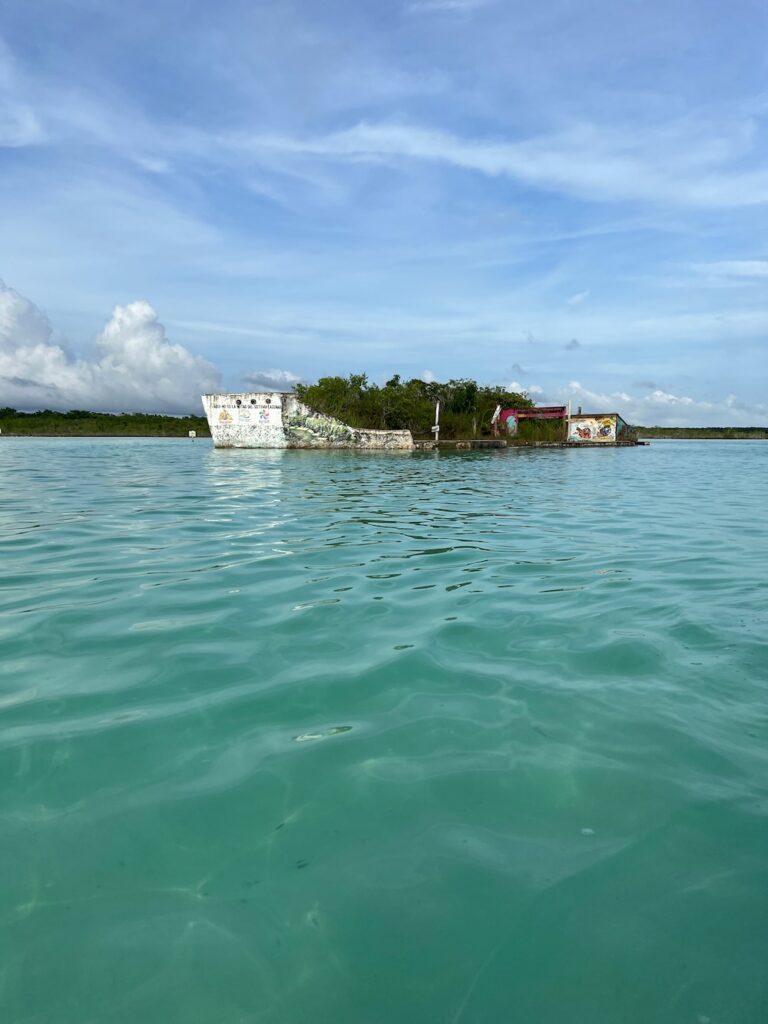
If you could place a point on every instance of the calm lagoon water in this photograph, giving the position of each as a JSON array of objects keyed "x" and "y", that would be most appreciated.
[{"x": 466, "y": 738}]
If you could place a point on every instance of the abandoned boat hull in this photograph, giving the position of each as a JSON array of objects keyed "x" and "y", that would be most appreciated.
[{"x": 279, "y": 420}]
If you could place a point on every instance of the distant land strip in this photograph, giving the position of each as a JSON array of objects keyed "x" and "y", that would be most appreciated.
[
  {"x": 705, "y": 433},
  {"x": 82, "y": 423}
]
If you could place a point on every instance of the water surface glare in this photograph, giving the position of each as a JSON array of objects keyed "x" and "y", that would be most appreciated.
[{"x": 466, "y": 738}]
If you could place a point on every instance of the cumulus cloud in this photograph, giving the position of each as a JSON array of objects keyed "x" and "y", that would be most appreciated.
[
  {"x": 271, "y": 380},
  {"x": 135, "y": 367}
]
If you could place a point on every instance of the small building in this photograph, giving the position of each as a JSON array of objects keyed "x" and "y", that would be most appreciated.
[
  {"x": 555, "y": 424},
  {"x": 594, "y": 427}
]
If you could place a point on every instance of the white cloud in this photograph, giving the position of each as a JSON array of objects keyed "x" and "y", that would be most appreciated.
[
  {"x": 271, "y": 380},
  {"x": 136, "y": 368},
  {"x": 662, "y": 408},
  {"x": 156, "y": 165},
  {"x": 428, "y": 377},
  {"x": 530, "y": 389},
  {"x": 681, "y": 163},
  {"x": 21, "y": 322},
  {"x": 19, "y": 125},
  {"x": 578, "y": 298}
]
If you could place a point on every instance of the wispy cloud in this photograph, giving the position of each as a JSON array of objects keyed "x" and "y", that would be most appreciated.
[
  {"x": 734, "y": 268},
  {"x": 578, "y": 298},
  {"x": 601, "y": 163},
  {"x": 449, "y": 6},
  {"x": 18, "y": 126}
]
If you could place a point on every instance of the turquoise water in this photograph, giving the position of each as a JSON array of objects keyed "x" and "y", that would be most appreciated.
[{"x": 295, "y": 737}]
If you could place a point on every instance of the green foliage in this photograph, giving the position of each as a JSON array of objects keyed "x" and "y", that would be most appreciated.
[
  {"x": 539, "y": 432},
  {"x": 465, "y": 407},
  {"x": 81, "y": 422}
]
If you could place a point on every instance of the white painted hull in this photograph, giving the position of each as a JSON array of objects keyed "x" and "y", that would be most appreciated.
[{"x": 280, "y": 420}]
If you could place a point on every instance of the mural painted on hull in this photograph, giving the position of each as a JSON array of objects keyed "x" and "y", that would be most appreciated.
[
  {"x": 593, "y": 428},
  {"x": 277, "y": 420}
]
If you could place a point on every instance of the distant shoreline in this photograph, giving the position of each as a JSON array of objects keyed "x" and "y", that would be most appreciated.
[
  {"x": 704, "y": 437},
  {"x": 84, "y": 423},
  {"x": 168, "y": 437},
  {"x": 207, "y": 437}
]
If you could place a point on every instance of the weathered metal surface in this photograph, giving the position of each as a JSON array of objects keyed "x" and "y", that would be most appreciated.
[
  {"x": 538, "y": 412},
  {"x": 280, "y": 420}
]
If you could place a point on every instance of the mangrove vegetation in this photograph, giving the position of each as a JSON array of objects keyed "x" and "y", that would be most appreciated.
[
  {"x": 466, "y": 407},
  {"x": 82, "y": 423}
]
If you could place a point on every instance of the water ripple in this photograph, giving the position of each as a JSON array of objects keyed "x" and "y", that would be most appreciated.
[{"x": 421, "y": 737}]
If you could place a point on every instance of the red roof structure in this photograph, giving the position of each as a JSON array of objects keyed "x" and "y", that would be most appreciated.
[{"x": 539, "y": 412}]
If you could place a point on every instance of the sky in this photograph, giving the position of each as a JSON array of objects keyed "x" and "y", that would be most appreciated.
[{"x": 569, "y": 198}]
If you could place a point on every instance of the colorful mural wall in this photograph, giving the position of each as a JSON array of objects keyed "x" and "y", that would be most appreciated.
[{"x": 593, "y": 428}]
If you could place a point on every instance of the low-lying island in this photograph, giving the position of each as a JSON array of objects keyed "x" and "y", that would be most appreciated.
[{"x": 279, "y": 419}]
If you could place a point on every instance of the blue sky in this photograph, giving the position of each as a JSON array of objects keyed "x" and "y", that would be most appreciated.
[{"x": 569, "y": 196}]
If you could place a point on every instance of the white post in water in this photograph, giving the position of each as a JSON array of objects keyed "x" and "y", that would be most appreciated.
[{"x": 436, "y": 428}]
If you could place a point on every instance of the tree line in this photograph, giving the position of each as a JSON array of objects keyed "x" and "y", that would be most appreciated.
[
  {"x": 466, "y": 407},
  {"x": 82, "y": 422},
  {"x": 706, "y": 433}
]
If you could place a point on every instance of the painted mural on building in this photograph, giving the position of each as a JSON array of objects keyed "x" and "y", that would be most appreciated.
[{"x": 593, "y": 428}]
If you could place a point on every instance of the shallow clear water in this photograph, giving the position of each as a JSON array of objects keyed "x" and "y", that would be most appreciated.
[{"x": 371, "y": 738}]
